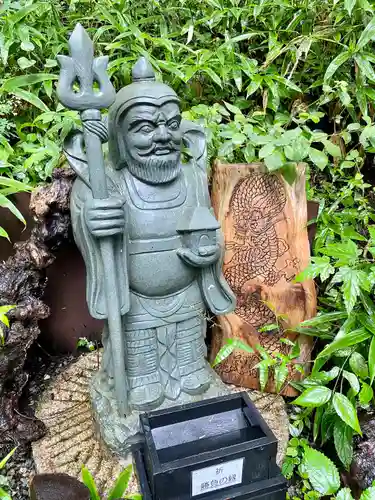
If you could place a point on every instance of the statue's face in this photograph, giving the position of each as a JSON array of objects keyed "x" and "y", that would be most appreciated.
[{"x": 153, "y": 141}]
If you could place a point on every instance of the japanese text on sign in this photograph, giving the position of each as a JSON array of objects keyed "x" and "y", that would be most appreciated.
[{"x": 217, "y": 477}]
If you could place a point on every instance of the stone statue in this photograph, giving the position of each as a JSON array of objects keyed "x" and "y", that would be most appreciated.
[{"x": 166, "y": 248}]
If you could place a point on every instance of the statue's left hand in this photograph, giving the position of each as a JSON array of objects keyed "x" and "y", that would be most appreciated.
[{"x": 205, "y": 257}]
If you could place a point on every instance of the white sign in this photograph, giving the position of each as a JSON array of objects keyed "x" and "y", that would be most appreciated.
[{"x": 216, "y": 477}]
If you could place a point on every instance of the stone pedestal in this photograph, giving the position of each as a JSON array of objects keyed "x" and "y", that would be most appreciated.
[{"x": 72, "y": 440}]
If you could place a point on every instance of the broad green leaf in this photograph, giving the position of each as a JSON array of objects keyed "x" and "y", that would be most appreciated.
[
  {"x": 314, "y": 397},
  {"x": 321, "y": 471},
  {"x": 266, "y": 150},
  {"x": 365, "y": 66},
  {"x": 353, "y": 381},
  {"x": 346, "y": 411},
  {"x": 344, "y": 494},
  {"x": 368, "y": 494},
  {"x": 88, "y": 480},
  {"x": 319, "y": 158},
  {"x": 275, "y": 161},
  {"x": 371, "y": 360},
  {"x": 353, "y": 280},
  {"x": 281, "y": 373},
  {"x": 353, "y": 338},
  {"x": 358, "y": 364},
  {"x": 289, "y": 172},
  {"x": 349, "y": 6},
  {"x": 297, "y": 150},
  {"x": 225, "y": 150},
  {"x": 24, "y": 63},
  {"x": 343, "y": 439},
  {"x": 16, "y": 82},
  {"x": 346, "y": 252},
  {"x": 263, "y": 368},
  {"x": 335, "y": 64},
  {"x": 367, "y": 34},
  {"x": 319, "y": 266},
  {"x": 31, "y": 98},
  {"x": 332, "y": 149},
  {"x": 223, "y": 354},
  {"x": 366, "y": 394},
  {"x": 121, "y": 484},
  {"x": 211, "y": 73}
]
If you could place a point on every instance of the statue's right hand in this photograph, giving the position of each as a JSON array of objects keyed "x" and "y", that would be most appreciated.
[{"x": 105, "y": 217}]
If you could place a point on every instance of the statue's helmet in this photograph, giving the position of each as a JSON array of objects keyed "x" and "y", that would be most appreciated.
[{"x": 144, "y": 89}]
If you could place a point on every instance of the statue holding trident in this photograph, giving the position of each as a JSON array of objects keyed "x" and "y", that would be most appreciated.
[{"x": 151, "y": 244}]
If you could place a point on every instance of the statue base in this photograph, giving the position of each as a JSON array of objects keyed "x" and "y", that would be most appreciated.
[
  {"x": 120, "y": 433},
  {"x": 72, "y": 439}
]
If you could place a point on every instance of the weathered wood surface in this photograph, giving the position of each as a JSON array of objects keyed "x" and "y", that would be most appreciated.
[{"x": 264, "y": 222}]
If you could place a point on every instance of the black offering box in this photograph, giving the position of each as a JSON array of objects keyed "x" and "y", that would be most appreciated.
[{"x": 216, "y": 449}]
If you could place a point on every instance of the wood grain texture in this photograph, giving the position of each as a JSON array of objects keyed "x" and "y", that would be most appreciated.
[{"x": 264, "y": 222}]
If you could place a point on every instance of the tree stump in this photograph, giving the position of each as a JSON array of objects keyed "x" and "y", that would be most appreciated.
[{"x": 264, "y": 222}]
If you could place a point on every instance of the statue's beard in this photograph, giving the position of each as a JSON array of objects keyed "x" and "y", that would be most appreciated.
[{"x": 155, "y": 169}]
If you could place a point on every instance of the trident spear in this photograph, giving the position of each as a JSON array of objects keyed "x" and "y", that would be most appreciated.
[{"x": 82, "y": 68}]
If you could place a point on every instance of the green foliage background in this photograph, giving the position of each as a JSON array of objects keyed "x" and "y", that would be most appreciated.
[{"x": 281, "y": 82}]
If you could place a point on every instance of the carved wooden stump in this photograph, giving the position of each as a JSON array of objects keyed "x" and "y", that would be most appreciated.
[{"x": 264, "y": 223}]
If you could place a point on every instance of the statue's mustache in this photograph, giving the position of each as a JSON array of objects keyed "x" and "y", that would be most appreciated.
[{"x": 158, "y": 146}]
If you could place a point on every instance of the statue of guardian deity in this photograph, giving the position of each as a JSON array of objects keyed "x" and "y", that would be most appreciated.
[{"x": 167, "y": 252}]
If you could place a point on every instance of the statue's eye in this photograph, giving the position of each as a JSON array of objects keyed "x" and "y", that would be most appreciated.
[
  {"x": 173, "y": 125},
  {"x": 146, "y": 128}
]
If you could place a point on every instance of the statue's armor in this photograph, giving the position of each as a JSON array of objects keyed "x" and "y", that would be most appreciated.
[{"x": 164, "y": 335}]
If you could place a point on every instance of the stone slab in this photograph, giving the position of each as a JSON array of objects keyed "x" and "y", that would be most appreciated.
[{"x": 71, "y": 440}]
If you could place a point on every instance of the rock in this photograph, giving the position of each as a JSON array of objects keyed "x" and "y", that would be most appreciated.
[
  {"x": 363, "y": 467},
  {"x": 57, "y": 487},
  {"x": 71, "y": 440}
]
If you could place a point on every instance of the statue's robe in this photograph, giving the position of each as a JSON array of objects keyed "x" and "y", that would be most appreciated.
[{"x": 157, "y": 289}]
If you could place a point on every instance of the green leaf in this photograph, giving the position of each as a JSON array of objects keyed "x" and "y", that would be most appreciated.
[
  {"x": 368, "y": 494},
  {"x": 346, "y": 411},
  {"x": 319, "y": 158},
  {"x": 121, "y": 484},
  {"x": 4, "y": 234},
  {"x": 335, "y": 64},
  {"x": 228, "y": 348},
  {"x": 281, "y": 374},
  {"x": 346, "y": 252},
  {"x": 297, "y": 150},
  {"x": 6, "y": 203},
  {"x": 367, "y": 34},
  {"x": 24, "y": 63},
  {"x": 314, "y": 397},
  {"x": 353, "y": 381},
  {"x": 349, "y": 6},
  {"x": 366, "y": 394},
  {"x": 343, "y": 439},
  {"x": 275, "y": 161},
  {"x": 4, "y": 461},
  {"x": 16, "y": 82},
  {"x": 371, "y": 360},
  {"x": 332, "y": 149},
  {"x": 352, "y": 338},
  {"x": 321, "y": 471},
  {"x": 225, "y": 150},
  {"x": 365, "y": 66},
  {"x": 358, "y": 364},
  {"x": 319, "y": 266},
  {"x": 31, "y": 98},
  {"x": 289, "y": 172},
  {"x": 317, "y": 421},
  {"x": 344, "y": 494},
  {"x": 263, "y": 368},
  {"x": 266, "y": 150},
  {"x": 353, "y": 280},
  {"x": 88, "y": 480},
  {"x": 4, "y": 495}
]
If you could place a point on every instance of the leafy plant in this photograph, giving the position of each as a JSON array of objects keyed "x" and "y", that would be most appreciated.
[
  {"x": 4, "y": 320},
  {"x": 117, "y": 491},
  {"x": 4, "y": 485}
]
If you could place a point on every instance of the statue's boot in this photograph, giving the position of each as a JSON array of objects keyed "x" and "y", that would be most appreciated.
[
  {"x": 191, "y": 351},
  {"x": 146, "y": 390}
]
